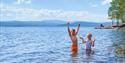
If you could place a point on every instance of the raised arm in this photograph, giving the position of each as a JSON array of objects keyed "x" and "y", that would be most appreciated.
[
  {"x": 83, "y": 41},
  {"x": 78, "y": 29},
  {"x": 93, "y": 42},
  {"x": 68, "y": 29}
]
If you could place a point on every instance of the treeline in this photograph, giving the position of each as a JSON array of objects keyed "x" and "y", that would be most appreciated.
[{"x": 116, "y": 11}]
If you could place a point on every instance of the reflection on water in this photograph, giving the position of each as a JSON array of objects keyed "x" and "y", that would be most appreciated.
[
  {"x": 52, "y": 45},
  {"x": 118, "y": 39}
]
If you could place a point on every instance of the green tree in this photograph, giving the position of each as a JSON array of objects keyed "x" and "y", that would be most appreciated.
[
  {"x": 121, "y": 10},
  {"x": 117, "y": 11},
  {"x": 111, "y": 11}
]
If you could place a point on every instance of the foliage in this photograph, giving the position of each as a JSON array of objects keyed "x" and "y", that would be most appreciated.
[{"x": 117, "y": 10}]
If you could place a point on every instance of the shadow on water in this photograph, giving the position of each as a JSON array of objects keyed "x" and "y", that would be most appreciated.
[
  {"x": 118, "y": 46},
  {"x": 84, "y": 58}
]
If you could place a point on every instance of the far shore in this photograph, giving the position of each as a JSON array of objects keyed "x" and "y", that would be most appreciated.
[{"x": 115, "y": 26}]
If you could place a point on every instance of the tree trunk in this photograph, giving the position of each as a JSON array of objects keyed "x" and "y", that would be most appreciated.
[
  {"x": 123, "y": 21},
  {"x": 112, "y": 22},
  {"x": 117, "y": 22}
]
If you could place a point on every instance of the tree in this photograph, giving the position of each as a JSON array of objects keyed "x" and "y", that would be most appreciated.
[
  {"x": 121, "y": 9},
  {"x": 111, "y": 11},
  {"x": 117, "y": 11}
]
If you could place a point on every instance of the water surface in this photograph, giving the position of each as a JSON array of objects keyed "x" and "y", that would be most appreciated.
[{"x": 52, "y": 45}]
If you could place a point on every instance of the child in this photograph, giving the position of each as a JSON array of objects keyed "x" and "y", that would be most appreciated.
[
  {"x": 72, "y": 34},
  {"x": 88, "y": 43}
]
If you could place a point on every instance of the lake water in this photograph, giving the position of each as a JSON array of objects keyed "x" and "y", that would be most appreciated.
[{"x": 52, "y": 45}]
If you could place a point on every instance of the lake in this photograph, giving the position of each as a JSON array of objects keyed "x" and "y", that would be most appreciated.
[{"x": 52, "y": 45}]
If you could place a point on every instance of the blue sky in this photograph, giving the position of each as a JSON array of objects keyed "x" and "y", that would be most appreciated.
[{"x": 37, "y": 10}]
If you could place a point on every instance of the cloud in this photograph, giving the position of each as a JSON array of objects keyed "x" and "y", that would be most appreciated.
[
  {"x": 22, "y": 2},
  {"x": 31, "y": 14},
  {"x": 104, "y": 2},
  {"x": 94, "y": 5}
]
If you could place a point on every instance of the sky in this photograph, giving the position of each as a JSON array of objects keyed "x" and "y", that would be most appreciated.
[{"x": 68, "y": 10}]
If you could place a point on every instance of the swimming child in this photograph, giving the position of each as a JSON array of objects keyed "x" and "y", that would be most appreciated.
[
  {"x": 88, "y": 43},
  {"x": 72, "y": 34}
]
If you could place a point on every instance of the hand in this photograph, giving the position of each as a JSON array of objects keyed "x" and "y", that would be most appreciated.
[
  {"x": 80, "y": 37},
  {"x": 94, "y": 39},
  {"x": 78, "y": 24},
  {"x": 68, "y": 24}
]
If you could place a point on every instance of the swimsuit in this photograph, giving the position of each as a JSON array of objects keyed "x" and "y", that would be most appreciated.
[
  {"x": 88, "y": 45},
  {"x": 74, "y": 48}
]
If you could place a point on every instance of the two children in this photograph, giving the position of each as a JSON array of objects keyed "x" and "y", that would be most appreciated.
[{"x": 74, "y": 46}]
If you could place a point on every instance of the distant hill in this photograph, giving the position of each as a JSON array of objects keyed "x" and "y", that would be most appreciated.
[
  {"x": 88, "y": 24},
  {"x": 30, "y": 23},
  {"x": 46, "y": 23}
]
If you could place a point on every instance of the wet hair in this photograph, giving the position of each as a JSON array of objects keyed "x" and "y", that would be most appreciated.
[
  {"x": 89, "y": 34},
  {"x": 73, "y": 30}
]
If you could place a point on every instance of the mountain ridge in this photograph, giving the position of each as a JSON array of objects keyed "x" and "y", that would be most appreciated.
[{"x": 47, "y": 23}]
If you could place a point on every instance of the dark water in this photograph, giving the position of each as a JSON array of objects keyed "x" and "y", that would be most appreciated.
[{"x": 52, "y": 45}]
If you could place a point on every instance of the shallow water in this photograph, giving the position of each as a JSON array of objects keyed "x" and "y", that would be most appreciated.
[{"x": 52, "y": 45}]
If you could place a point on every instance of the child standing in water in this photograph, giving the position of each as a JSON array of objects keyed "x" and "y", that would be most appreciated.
[
  {"x": 72, "y": 34},
  {"x": 88, "y": 43}
]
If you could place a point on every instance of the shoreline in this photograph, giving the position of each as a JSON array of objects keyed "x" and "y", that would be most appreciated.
[{"x": 120, "y": 26}]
